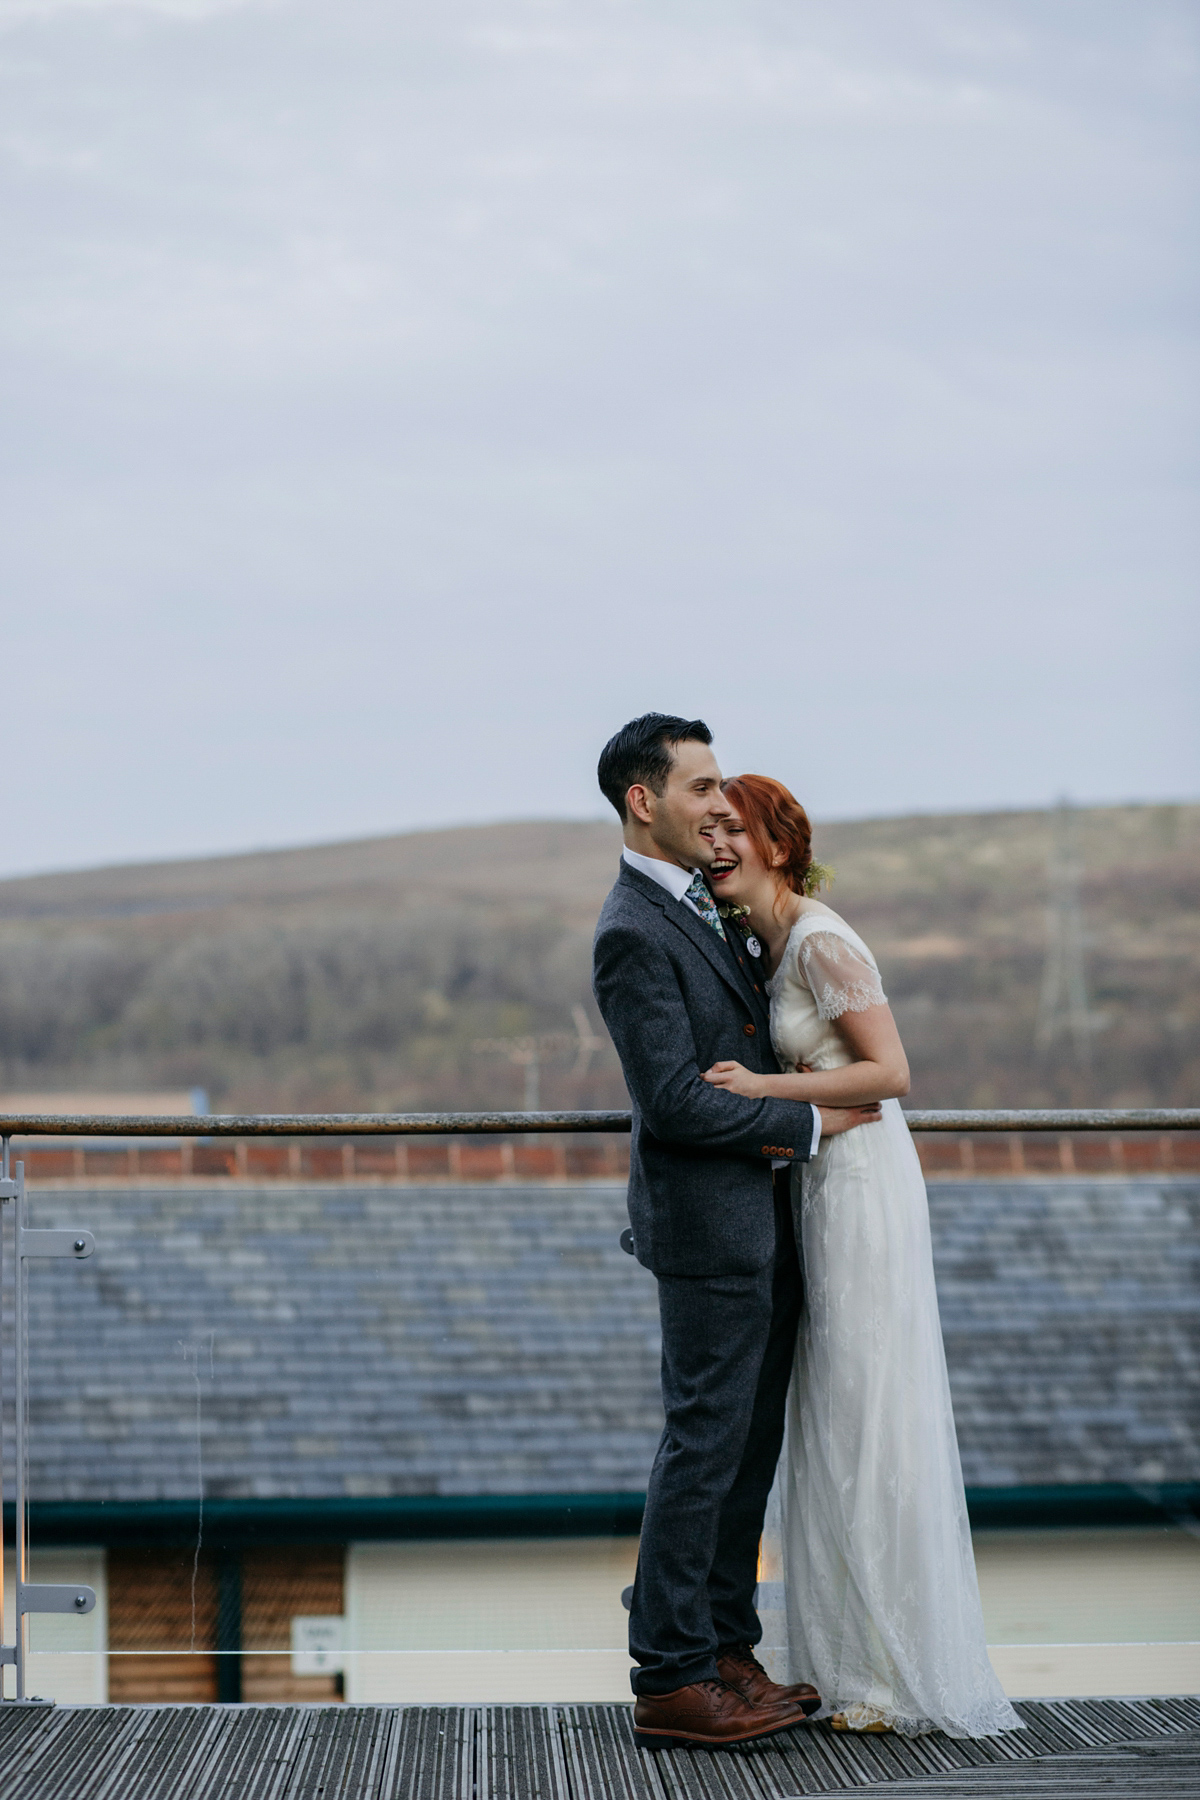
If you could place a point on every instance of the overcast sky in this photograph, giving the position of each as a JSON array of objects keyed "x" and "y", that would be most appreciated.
[{"x": 400, "y": 394}]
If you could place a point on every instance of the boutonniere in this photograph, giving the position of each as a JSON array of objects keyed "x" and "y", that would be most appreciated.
[{"x": 740, "y": 916}]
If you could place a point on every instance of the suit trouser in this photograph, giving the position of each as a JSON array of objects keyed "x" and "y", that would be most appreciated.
[{"x": 728, "y": 1346}]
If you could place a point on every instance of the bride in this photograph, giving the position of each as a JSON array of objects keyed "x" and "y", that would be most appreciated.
[{"x": 867, "y": 1524}]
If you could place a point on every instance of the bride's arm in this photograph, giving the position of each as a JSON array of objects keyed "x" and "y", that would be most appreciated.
[{"x": 880, "y": 1071}]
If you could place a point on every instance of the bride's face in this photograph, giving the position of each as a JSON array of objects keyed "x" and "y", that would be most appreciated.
[{"x": 737, "y": 872}]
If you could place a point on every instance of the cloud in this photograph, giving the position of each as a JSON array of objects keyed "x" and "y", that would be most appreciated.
[
  {"x": 20, "y": 12},
  {"x": 402, "y": 397}
]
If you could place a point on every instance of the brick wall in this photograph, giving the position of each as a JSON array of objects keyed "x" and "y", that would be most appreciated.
[
  {"x": 574, "y": 1158},
  {"x": 990, "y": 1154}
]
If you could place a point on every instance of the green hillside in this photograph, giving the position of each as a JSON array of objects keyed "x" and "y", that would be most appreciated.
[{"x": 363, "y": 974}]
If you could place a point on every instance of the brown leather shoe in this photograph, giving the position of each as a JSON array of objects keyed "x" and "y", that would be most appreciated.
[
  {"x": 707, "y": 1715},
  {"x": 739, "y": 1666}
]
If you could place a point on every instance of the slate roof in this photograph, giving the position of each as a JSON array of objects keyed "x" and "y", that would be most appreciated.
[
  {"x": 1071, "y": 1314},
  {"x": 487, "y": 1340}
]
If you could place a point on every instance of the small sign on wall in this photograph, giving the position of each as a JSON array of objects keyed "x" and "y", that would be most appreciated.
[{"x": 317, "y": 1645}]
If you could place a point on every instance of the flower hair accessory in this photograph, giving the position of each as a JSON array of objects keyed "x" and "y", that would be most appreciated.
[{"x": 816, "y": 876}]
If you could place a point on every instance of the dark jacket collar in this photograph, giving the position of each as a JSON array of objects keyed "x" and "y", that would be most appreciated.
[
  {"x": 750, "y": 969},
  {"x": 722, "y": 956}
]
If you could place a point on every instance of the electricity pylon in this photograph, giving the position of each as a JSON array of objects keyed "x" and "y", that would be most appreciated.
[
  {"x": 1064, "y": 1010},
  {"x": 527, "y": 1053}
]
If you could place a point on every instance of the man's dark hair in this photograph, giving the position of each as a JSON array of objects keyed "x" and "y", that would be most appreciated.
[{"x": 641, "y": 753}]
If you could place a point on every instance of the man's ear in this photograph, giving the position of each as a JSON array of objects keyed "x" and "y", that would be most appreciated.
[{"x": 637, "y": 801}]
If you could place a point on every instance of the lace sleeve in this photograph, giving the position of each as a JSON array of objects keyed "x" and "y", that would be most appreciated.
[{"x": 840, "y": 978}]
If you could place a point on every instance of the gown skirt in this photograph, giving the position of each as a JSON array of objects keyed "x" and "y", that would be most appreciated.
[{"x": 869, "y": 1588}]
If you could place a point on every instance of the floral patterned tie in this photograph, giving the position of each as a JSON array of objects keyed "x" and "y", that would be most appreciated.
[{"x": 705, "y": 905}]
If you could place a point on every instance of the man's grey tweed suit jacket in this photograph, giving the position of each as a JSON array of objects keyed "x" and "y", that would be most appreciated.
[{"x": 676, "y": 1000}]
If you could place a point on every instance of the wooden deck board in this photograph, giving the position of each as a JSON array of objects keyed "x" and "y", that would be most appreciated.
[{"x": 1147, "y": 1749}]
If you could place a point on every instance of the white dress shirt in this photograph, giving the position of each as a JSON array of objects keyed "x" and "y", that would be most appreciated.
[{"x": 677, "y": 881}]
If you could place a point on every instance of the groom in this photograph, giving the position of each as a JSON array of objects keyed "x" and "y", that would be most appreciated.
[{"x": 710, "y": 1208}]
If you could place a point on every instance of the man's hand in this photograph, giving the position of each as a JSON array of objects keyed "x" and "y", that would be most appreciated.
[
  {"x": 736, "y": 1079},
  {"x": 835, "y": 1119}
]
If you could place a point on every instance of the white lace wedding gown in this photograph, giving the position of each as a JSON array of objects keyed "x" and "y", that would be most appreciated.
[{"x": 868, "y": 1581}]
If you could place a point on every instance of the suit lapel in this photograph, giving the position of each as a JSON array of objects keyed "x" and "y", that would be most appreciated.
[
  {"x": 750, "y": 971},
  {"x": 722, "y": 956}
]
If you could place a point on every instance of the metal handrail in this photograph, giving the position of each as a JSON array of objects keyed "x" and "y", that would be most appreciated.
[{"x": 208, "y": 1125}]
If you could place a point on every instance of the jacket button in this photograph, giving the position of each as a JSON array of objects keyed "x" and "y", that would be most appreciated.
[{"x": 749, "y": 1030}]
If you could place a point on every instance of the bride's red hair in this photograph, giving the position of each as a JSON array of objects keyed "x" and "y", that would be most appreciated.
[{"x": 774, "y": 821}]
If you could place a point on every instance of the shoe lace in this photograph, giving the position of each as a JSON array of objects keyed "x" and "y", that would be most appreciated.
[{"x": 744, "y": 1657}]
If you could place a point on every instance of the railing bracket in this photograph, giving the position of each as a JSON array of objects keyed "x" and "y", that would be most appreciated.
[
  {"x": 55, "y": 1597},
  {"x": 78, "y": 1244}
]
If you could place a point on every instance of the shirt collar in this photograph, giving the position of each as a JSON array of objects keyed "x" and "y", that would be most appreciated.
[{"x": 668, "y": 875}]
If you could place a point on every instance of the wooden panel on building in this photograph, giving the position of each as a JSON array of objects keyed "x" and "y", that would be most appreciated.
[
  {"x": 278, "y": 1585},
  {"x": 160, "y": 1651},
  {"x": 161, "y": 1626}
]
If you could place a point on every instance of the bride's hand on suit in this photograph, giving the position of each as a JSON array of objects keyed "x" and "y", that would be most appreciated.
[
  {"x": 735, "y": 1077},
  {"x": 878, "y": 1071}
]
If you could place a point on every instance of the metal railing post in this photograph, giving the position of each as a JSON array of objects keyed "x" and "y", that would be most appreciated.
[
  {"x": 20, "y": 1409},
  {"x": 58, "y": 1597},
  {"x": 8, "y": 1652}
]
